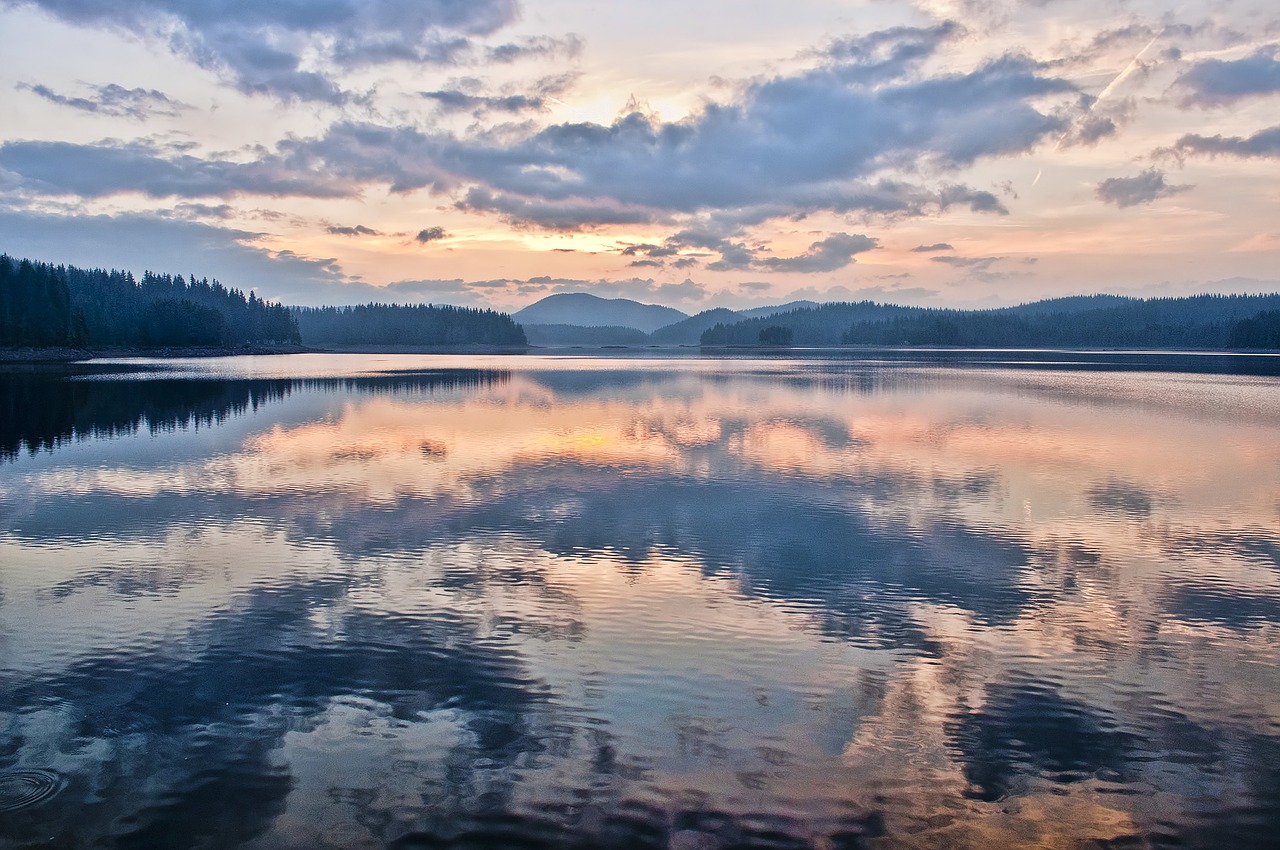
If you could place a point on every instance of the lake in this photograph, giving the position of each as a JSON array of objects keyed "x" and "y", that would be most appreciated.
[{"x": 964, "y": 600}]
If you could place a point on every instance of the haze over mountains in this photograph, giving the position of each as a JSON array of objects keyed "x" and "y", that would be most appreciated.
[
  {"x": 581, "y": 308},
  {"x": 46, "y": 305},
  {"x": 579, "y": 318},
  {"x": 1205, "y": 321}
]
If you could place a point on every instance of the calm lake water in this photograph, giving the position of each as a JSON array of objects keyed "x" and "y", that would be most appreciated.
[{"x": 969, "y": 601}]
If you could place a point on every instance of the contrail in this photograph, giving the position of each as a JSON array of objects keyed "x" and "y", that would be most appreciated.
[
  {"x": 1129, "y": 69},
  {"x": 1110, "y": 87}
]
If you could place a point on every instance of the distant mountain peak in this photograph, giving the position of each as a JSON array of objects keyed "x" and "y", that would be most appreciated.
[{"x": 587, "y": 310}]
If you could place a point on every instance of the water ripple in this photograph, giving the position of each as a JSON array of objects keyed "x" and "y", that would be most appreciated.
[{"x": 22, "y": 789}]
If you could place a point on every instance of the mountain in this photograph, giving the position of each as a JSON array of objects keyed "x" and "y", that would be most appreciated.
[{"x": 580, "y": 308}]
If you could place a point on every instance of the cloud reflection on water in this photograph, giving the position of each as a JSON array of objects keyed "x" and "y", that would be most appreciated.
[{"x": 986, "y": 607}]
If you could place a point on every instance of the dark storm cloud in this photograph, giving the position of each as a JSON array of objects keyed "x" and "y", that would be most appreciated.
[
  {"x": 1264, "y": 143},
  {"x": 112, "y": 167},
  {"x": 431, "y": 234},
  {"x": 113, "y": 100},
  {"x": 825, "y": 255},
  {"x": 260, "y": 46},
  {"x": 1144, "y": 188},
  {"x": 929, "y": 249},
  {"x": 1217, "y": 82},
  {"x": 358, "y": 230}
]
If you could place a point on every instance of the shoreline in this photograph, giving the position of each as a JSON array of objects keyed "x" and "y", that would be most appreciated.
[
  {"x": 465, "y": 348},
  {"x": 62, "y": 354},
  {"x": 13, "y": 356}
]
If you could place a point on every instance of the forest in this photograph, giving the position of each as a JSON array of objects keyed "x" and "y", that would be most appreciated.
[
  {"x": 43, "y": 305},
  {"x": 604, "y": 335},
  {"x": 391, "y": 324},
  {"x": 48, "y": 306},
  {"x": 1202, "y": 321}
]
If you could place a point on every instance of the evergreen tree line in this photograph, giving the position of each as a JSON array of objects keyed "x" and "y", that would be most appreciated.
[
  {"x": 1203, "y": 321},
  {"x": 822, "y": 325},
  {"x": 1261, "y": 331},
  {"x": 43, "y": 305},
  {"x": 584, "y": 335},
  {"x": 46, "y": 305},
  {"x": 393, "y": 324}
]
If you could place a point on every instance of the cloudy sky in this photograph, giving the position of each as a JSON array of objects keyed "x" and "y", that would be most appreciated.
[{"x": 718, "y": 153}]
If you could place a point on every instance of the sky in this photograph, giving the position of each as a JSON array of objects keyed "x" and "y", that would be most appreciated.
[{"x": 724, "y": 153}]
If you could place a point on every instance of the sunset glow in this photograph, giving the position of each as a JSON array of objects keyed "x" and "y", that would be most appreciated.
[{"x": 411, "y": 152}]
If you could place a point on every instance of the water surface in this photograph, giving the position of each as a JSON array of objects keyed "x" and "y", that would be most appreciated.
[{"x": 990, "y": 600}]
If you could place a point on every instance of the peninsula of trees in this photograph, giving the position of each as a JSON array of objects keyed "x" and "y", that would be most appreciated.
[
  {"x": 43, "y": 305},
  {"x": 48, "y": 306}
]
